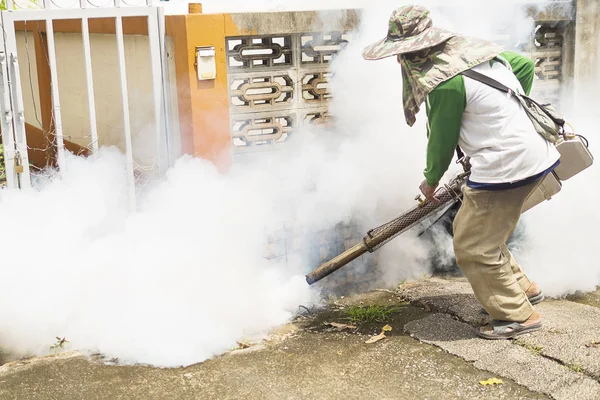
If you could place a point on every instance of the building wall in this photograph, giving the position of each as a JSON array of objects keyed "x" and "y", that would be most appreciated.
[{"x": 587, "y": 43}]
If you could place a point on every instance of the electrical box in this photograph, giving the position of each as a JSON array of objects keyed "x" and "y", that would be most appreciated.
[{"x": 205, "y": 63}]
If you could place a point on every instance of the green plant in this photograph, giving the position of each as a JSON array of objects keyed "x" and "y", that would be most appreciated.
[
  {"x": 15, "y": 7},
  {"x": 3, "y": 5},
  {"x": 2, "y": 167},
  {"x": 535, "y": 349},
  {"x": 575, "y": 367},
  {"x": 60, "y": 344},
  {"x": 372, "y": 313}
]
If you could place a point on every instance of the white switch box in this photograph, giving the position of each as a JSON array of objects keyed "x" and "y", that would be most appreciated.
[{"x": 205, "y": 63}]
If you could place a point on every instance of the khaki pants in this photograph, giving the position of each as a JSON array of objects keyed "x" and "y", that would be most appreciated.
[{"x": 482, "y": 226}]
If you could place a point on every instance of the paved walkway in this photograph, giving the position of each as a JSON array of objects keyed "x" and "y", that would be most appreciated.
[
  {"x": 431, "y": 353},
  {"x": 562, "y": 360}
]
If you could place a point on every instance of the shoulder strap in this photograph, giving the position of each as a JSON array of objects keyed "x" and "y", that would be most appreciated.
[
  {"x": 459, "y": 153},
  {"x": 488, "y": 81}
]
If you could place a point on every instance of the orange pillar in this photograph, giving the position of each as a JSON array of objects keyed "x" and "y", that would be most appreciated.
[{"x": 203, "y": 105}]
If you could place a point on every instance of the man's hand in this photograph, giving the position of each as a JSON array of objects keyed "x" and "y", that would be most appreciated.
[{"x": 428, "y": 191}]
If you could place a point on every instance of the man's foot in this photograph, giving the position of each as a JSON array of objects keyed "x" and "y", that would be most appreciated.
[
  {"x": 509, "y": 329},
  {"x": 534, "y": 294}
]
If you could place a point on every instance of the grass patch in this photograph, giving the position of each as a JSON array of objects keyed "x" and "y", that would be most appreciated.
[
  {"x": 372, "y": 313},
  {"x": 575, "y": 367},
  {"x": 537, "y": 350}
]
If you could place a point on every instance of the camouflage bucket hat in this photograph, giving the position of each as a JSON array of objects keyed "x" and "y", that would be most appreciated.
[{"x": 410, "y": 29}]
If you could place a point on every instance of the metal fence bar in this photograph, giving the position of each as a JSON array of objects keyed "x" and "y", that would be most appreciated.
[
  {"x": 161, "y": 101},
  {"x": 16, "y": 151},
  {"x": 56, "y": 114},
  {"x": 6, "y": 124},
  {"x": 19, "y": 123},
  {"x": 77, "y": 13},
  {"x": 87, "y": 56},
  {"x": 125, "y": 102},
  {"x": 172, "y": 153},
  {"x": 158, "y": 92}
]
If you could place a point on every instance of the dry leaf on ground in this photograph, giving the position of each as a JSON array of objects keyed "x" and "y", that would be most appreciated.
[
  {"x": 376, "y": 339},
  {"x": 491, "y": 381},
  {"x": 340, "y": 327}
]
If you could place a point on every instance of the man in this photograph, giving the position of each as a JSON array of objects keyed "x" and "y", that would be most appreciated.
[{"x": 508, "y": 157}]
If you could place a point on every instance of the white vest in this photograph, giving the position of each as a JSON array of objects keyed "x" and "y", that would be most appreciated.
[{"x": 497, "y": 133}]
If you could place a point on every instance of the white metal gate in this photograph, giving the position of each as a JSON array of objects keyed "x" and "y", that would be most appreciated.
[{"x": 11, "y": 96}]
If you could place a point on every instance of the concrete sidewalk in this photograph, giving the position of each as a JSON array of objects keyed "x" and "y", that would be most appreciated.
[
  {"x": 562, "y": 360},
  {"x": 311, "y": 360}
]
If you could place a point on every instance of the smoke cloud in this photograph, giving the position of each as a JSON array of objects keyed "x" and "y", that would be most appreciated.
[
  {"x": 175, "y": 283},
  {"x": 185, "y": 277}
]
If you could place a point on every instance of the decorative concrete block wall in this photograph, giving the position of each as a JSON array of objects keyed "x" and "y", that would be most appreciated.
[{"x": 278, "y": 84}]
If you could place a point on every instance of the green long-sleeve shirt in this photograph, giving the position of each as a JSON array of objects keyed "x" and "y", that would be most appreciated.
[{"x": 445, "y": 106}]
